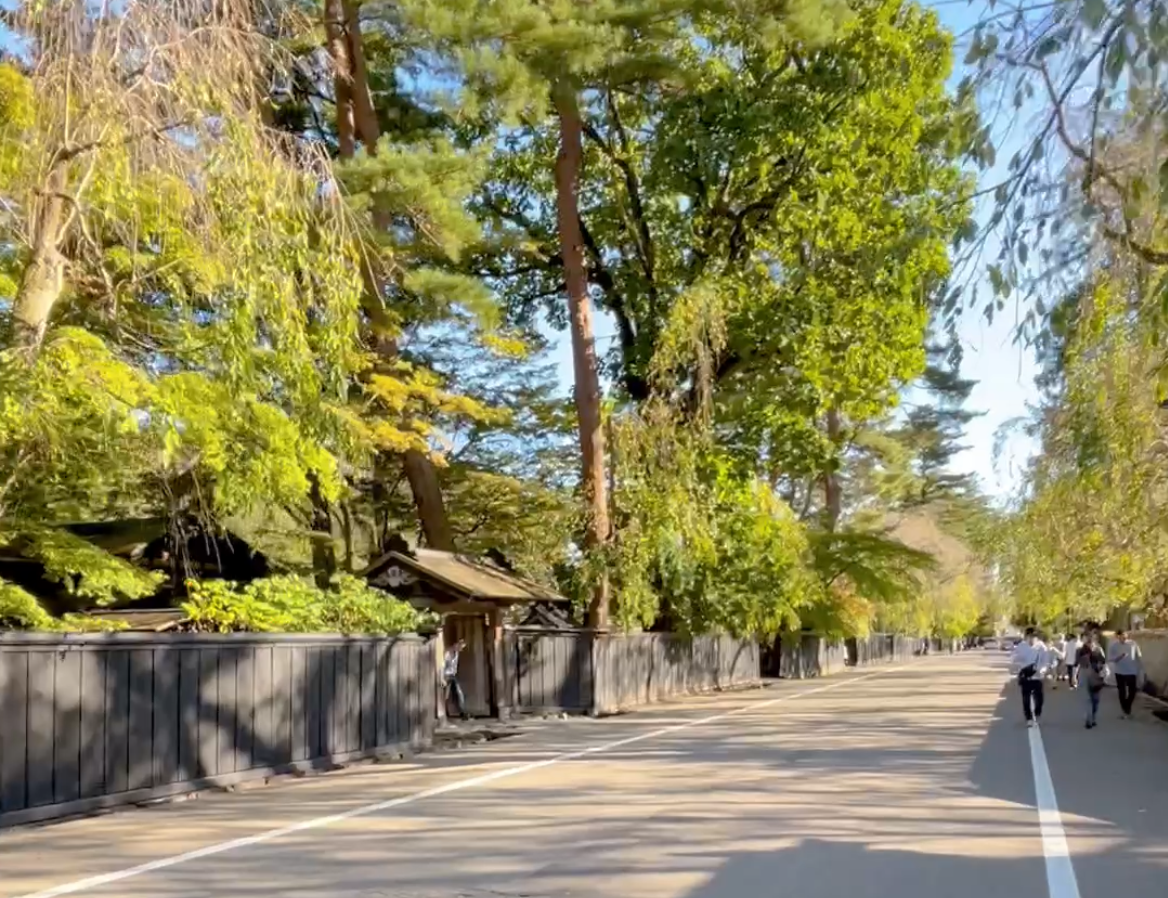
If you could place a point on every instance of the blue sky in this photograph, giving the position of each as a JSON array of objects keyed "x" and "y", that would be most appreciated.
[{"x": 1004, "y": 371}]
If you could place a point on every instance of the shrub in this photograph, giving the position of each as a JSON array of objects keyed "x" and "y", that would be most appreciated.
[
  {"x": 20, "y": 610},
  {"x": 292, "y": 604}
]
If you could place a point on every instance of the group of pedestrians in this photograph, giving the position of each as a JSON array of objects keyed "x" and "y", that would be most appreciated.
[{"x": 1082, "y": 663}]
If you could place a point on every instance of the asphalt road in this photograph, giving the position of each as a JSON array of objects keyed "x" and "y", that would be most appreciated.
[{"x": 913, "y": 782}]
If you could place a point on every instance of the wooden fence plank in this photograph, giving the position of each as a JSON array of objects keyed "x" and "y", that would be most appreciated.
[
  {"x": 397, "y": 687},
  {"x": 188, "y": 716},
  {"x": 209, "y": 684},
  {"x": 167, "y": 685},
  {"x": 66, "y": 726},
  {"x": 382, "y": 700},
  {"x": 93, "y": 721},
  {"x": 328, "y": 702},
  {"x": 315, "y": 716},
  {"x": 282, "y": 709},
  {"x": 41, "y": 728},
  {"x": 367, "y": 698},
  {"x": 243, "y": 714},
  {"x": 298, "y": 703},
  {"x": 263, "y": 753},
  {"x": 14, "y": 731},
  {"x": 353, "y": 700},
  {"x": 117, "y": 722},
  {"x": 141, "y": 748},
  {"x": 349, "y": 712}
]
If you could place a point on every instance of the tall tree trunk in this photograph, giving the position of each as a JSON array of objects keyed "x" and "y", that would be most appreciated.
[
  {"x": 585, "y": 367},
  {"x": 833, "y": 499},
  {"x": 365, "y": 115},
  {"x": 43, "y": 278},
  {"x": 357, "y": 120},
  {"x": 337, "y": 42},
  {"x": 423, "y": 478}
]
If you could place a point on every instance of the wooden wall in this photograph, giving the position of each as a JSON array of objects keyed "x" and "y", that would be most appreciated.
[
  {"x": 583, "y": 671},
  {"x": 92, "y": 721}
]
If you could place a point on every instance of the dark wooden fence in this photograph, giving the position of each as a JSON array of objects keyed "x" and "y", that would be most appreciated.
[
  {"x": 808, "y": 656},
  {"x": 648, "y": 667},
  {"x": 581, "y": 671},
  {"x": 550, "y": 671},
  {"x": 92, "y": 721}
]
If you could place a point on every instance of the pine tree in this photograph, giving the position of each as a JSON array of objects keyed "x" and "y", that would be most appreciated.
[
  {"x": 524, "y": 61},
  {"x": 406, "y": 185},
  {"x": 933, "y": 430}
]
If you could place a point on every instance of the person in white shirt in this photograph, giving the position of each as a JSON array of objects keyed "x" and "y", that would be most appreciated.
[
  {"x": 1029, "y": 664},
  {"x": 1072, "y": 654},
  {"x": 1055, "y": 661}
]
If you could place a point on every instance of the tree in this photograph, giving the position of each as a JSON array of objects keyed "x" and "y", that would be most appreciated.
[
  {"x": 933, "y": 430},
  {"x": 183, "y": 332},
  {"x": 1089, "y": 76},
  {"x": 391, "y": 179},
  {"x": 524, "y": 56},
  {"x": 747, "y": 294},
  {"x": 1088, "y": 534}
]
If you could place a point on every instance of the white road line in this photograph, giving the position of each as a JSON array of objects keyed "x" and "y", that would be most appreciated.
[
  {"x": 1060, "y": 872},
  {"x": 93, "y": 882}
]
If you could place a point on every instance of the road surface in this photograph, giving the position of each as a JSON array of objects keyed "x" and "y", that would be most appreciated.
[{"x": 909, "y": 782}]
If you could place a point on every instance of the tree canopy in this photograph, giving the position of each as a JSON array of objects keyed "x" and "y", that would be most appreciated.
[{"x": 295, "y": 269}]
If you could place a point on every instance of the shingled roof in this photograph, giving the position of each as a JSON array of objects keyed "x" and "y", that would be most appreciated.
[{"x": 459, "y": 576}]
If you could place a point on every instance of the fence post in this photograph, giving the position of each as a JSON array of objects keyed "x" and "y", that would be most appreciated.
[
  {"x": 599, "y": 673},
  {"x": 439, "y": 663},
  {"x": 498, "y": 661}
]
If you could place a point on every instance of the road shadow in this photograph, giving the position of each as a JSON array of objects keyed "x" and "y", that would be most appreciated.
[{"x": 814, "y": 868}]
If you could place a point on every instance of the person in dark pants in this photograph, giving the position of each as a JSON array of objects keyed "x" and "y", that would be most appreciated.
[
  {"x": 1124, "y": 657},
  {"x": 1090, "y": 662},
  {"x": 1029, "y": 663},
  {"x": 1074, "y": 643},
  {"x": 450, "y": 675}
]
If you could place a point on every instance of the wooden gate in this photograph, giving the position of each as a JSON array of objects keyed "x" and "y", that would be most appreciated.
[{"x": 474, "y": 668}]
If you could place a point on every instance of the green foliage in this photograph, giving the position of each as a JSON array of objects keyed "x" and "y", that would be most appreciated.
[
  {"x": 19, "y": 610},
  {"x": 743, "y": 261},
  {"x": 292, "y": 604},
  {"x": 1090, "y": 73},
  {"x": 879, "y": 568},
  {"x": 88, "y": 572},
  {"x": 70, "y": 441},
  {"x": 506, "y": 53},
  {"x": 248, "y": 328},
  {"x": 1089, "y": 534},
  {"x": 697, "y": 545}
]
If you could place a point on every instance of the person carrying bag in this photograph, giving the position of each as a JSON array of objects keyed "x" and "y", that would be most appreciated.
[{"x": 1092, "y": 667}]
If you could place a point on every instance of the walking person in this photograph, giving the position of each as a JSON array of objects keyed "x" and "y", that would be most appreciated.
[
  {"x": 1056, "y": 657},
  {"x": 1125, "y": 659},
  {"x": 450, "y": 675},
  {"x": 1091, "y": 665},
  {"x": 1072, "y": 655},
  {"x": 1029, "y": 664}
]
